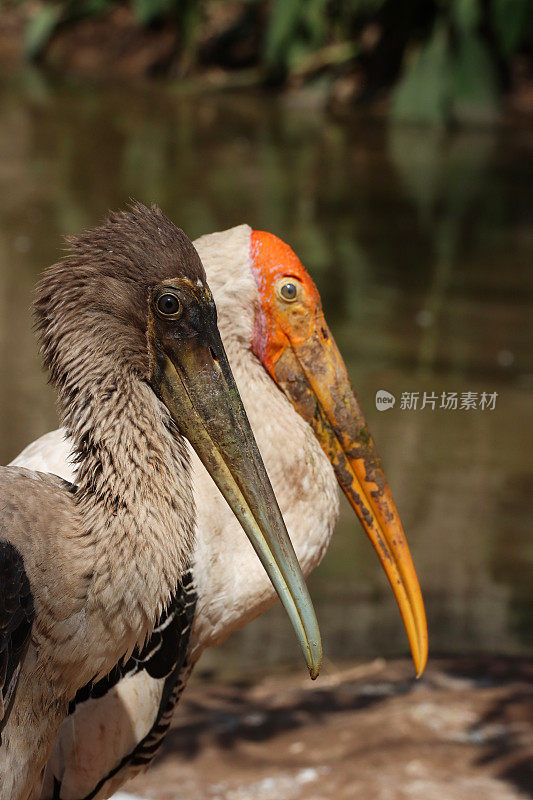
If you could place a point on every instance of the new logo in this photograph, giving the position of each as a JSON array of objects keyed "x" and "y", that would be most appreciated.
[{"x": 384, "y": 400}]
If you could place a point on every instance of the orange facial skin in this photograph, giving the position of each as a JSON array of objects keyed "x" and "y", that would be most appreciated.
[
  {"x": 293, "y": 341},
  {"x": 272, "y": 260}
]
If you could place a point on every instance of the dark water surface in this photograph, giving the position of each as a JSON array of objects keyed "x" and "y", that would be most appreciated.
[{"x": 422, "y": 247}]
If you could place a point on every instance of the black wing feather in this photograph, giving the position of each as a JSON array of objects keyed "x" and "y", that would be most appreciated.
[
  {"x": 164, "y": 657},
  {"x": 163, "y": 653},
  {"x": 16, "y": 619}
]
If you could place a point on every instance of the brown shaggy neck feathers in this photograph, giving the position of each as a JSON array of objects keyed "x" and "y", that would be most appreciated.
[{"x": 134, "y": 494}]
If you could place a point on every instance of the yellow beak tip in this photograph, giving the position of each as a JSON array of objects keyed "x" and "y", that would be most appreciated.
[{"x": 420, "y": 662}]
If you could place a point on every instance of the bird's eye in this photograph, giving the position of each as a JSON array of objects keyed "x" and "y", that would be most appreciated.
[
  {"x": 288, "y": 290},
  {"x": 168, "y": 305}
]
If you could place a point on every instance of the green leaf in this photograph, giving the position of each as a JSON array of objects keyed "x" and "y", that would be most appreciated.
[
  {"x": 146, "y": 11},
  {"x": 316, "y": 21},
  {"x": 466, "y": 15},
  {"x": 475, "y": 90},
  {"x": 40, "y": 28},
  {"x": 509, "y": 18},
  {"x": 188, "y": 14},
  {"x": 423, "y": 92},
  {"x": 282, "y": 27},
  {"x": 91, "y": 8}
]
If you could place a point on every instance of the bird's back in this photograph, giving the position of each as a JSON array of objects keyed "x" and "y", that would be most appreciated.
[
  {"x": 36, "y": 513},
  {"x": 38, "y": 516}
]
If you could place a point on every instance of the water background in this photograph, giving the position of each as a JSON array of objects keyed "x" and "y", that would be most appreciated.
[{"x": 421, "y": 244}]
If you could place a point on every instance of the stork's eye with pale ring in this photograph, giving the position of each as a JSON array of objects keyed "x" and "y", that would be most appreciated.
[
  {"x": 168, "y": 305},
  {"x": 289, "y": 290}
]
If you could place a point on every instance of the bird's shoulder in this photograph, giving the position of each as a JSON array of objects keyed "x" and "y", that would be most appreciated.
[
  {"x": 39, "y": 520},
  {"x": 23, "y": 490},
  {"x": 32, "y": 504}
]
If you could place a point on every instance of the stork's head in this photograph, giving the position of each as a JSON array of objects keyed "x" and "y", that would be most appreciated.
[
  {"x": 293, "y": 341},
  {"x": 269, "y": 303}
]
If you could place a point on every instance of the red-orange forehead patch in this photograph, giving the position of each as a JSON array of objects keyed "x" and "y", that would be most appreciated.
[{"x": 272, "y": 259}]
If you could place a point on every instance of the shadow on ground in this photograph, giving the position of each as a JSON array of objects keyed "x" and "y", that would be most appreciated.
[{"x": 464, "y": 732}]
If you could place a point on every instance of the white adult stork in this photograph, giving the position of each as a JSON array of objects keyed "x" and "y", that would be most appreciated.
[
  {"x": 312, "y": 434},
  {"x": 128, "y": 330}
]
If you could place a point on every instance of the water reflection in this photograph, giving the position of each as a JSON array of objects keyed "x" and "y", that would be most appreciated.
[{"x": 421, "y": 246}]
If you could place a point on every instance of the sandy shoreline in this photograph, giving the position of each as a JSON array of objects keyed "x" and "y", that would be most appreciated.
[{"x": 465, "y": 732}]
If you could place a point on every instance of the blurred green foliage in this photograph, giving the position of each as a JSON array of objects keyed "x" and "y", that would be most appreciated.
[
  {"x": 50, "y": 16},
  {"x": 455, "y": 72},
  {"x": 445, "y": 60}
]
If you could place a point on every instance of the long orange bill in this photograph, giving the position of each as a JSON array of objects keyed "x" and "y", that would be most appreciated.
[{"x": 312, "y": 374}]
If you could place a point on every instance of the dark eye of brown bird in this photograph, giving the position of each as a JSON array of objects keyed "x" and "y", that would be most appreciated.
[{"x": 169, "y": 305}]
